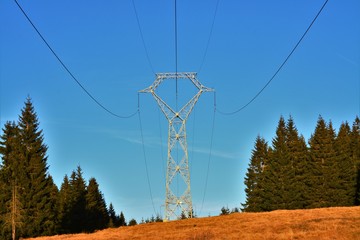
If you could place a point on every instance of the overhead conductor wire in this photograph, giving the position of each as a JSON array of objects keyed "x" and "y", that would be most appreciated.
[
  {"x": 176, "y": 56},
  {"x": 144, "y": 155},
  {"x": 210, "y": 35},
  {"x": 281, "y": 66},
  {"x": 142, "y": 37},
  {"x": 68, "y": 71},
  {"x": 210, "y": 154}
]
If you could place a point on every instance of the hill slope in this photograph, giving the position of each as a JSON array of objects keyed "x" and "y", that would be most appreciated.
[{"x": 325, "y": 223}]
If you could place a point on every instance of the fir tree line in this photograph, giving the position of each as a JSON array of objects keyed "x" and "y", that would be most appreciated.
[
  {"x": 291, "y": 174},
  {"x": 30, "y": 202}
]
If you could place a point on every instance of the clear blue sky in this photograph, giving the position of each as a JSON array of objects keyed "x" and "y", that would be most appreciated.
[{"x": 101, "y": 44}]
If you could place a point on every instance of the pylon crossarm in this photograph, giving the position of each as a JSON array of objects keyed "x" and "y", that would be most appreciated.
[
  {"x": 166, "y": 109},
  {"x": 186, "y": 110}
]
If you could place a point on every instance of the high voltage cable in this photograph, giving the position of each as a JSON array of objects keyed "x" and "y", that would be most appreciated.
[
  {"x": 281, "y": 66},
  {"x": 176, "y": 55},
  {"x": 144, "y": 155},
  {"x": 209, "y": 38},
  {"x": 142, "y": 37},
  {"x": 68, "y": 71},
  {"x": 210, "y": 154}
]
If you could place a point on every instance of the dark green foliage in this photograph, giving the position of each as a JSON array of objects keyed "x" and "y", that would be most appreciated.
[
  {"x": 96, "y": 213},
  {"x": 347, "y": 168},
  {"x": 65, "y": 206},
  {"x": 355, "y": 155},
  {"x": 132, "y": 222},
  {"x": 77, "y": 202},
  {"x": 41, "y": 209},
  {"x": 224, "y": 211},
  {"x": 292, "y": 175},
  {"x": 324, "y": 172},
  {"x": 24, "y": 162},
  {"x": 254, "y": 177},
  {"x": 82, "y": 207}
]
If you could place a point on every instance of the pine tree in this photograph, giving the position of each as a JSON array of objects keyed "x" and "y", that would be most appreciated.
[
  {"x": 355, "y": 152},
  {"x": 347, "y": 173},
  {"x": 298, "y": 168},
  {"x": 77, "y": 202},
  {"x": 113, "y": 219},
  {"x": 65, "y": 206},
  {"x": 276, "y": 194},
  {"x": 122, "y": 221},
  {"x": 25, "y": 162},
  {"x": 35, "y": 181},
  {"x": 324, "y": 171},
  {"x": 254, "y": 177},
  {"x": 96, "y": 212}
]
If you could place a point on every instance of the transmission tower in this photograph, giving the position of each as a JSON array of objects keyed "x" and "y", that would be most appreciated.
[{"x": 177, "y": 164}]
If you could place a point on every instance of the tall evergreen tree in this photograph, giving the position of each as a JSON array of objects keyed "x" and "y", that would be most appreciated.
[
  {"x": 276, "y": 192},
  {"x": 65, "y": 206},
  {"x": 78, "y": 202},
  {"x": 37, "y": 184},
  {"x": 254, "y": 177},
  {"x": 113, "y": 218},
  {"x": 25, "y": 163},
  {"x": 346, "y": 168},
  {"x": 298, "y": 167},
  {"x": 355, "y": 152},
  {"x": 96, "y": 213},
  {"x": 323, "y": 158},
  {"x": 8, "y": 168}
]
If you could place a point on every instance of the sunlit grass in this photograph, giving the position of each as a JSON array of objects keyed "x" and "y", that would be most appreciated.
[{"x": 326, "y": 223}]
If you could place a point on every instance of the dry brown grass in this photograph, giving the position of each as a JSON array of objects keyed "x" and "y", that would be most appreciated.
[{"x": 326, "y": 223}]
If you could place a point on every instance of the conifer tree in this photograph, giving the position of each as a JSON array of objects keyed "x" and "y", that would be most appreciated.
[
  {"x": 65, "y": 206},
  {"x": 276, "y": 194},
  {"x": 25, "y": 162},
  {"x": 346, "y": 168},
  {"x": 355, "y": 152},
  {"x": 77, "y": 202},
  {"x": 322, "y": 155},
  {"x": 298, "y": 168},
  {"x": 96, "y": 212},
  {"x": 113, "y": 218},
  {"x": 8, "y": 150},
  {"x": 37, "y": 185},
  {"x": 254, "y": 179}
]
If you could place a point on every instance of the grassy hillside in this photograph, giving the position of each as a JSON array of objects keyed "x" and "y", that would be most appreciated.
[{"x": 325, "y": 223}]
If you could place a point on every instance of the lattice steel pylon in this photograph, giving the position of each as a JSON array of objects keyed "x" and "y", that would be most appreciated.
[{"x": 176, "y": 204}]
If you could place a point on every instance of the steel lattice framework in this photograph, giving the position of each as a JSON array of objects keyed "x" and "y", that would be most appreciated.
[{"x": 177, "y": 166}]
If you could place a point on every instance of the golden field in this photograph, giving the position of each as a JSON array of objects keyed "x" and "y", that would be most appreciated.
[{"x": 324, "y": 223}]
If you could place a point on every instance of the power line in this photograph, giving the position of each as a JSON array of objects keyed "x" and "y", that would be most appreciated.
[
  {"x": 210, "y": 153},
  {"x": 281, "y": 66},
  {"x": 176, "y": 55},
  {"x": 144, "y": 156},
  {"x": 67, "y": 69},
  {"x": 142, "y": 37},
  {"x": 209, "y": 38}
]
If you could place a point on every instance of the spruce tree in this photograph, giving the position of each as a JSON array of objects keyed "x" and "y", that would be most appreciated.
[
  {"x": 324, "y": 171},
  {"x": 35, "y": 181},
  {"x": 113, "y": 219},
  {"x": 25, "y": 166},
  {"x": 346, "y": 167},
  {"x": 96, "y": 212},
  {"x": 77, "y": 202},
  {"x": 65, "y": 203},
  {"x": 355, "y": 152},
  {"x": 298, "y": 168},
  {"x": 254, "y": 180},
  {"x": 276, "y": 193}
]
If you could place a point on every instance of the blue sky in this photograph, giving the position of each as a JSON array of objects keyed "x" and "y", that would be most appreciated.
[{"x": 100, "y": 43}]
